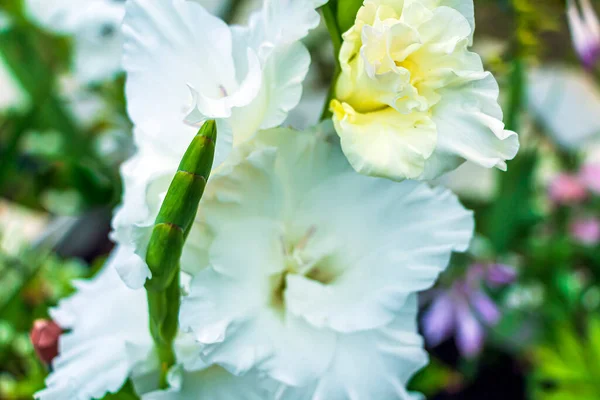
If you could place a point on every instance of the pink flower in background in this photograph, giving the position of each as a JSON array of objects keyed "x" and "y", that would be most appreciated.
[
  {"x": 585, "y": 31},
  {"x": 465, "y": 310},
  {"x": 567, "y": 189},
  {"x": 590, "y": 176},
  {"x": 586, "y": 231}
]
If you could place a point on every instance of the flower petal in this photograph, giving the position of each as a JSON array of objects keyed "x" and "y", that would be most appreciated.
[
  {"x": 282, "y": 22},
  {"x": 470, "y": 335},
  {"x": 438, "y": 321},
  {"x": 469, "y": 122},
  {"x": 358, "y": 372},
  {"x": 146, "y": 176},
  {"x": 212, "y": 383},
  {"x": 395, "y": 238},
  {"x": 169, "y": 46},
  {"x": 385, "y": 143}
]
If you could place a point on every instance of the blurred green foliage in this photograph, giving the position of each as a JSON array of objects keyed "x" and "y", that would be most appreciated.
[
  {"x": 72, "y": 161},
  {"x": 32, "y": 282},
  {"x": 568, "y": 367}
]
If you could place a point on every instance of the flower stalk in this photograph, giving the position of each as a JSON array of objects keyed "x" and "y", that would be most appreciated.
[
  {"x": 329, "y": 16},
  {"x": 171, "y": 228}
]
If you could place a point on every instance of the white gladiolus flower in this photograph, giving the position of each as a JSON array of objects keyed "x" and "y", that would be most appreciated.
[
  {"x": 108, "y": 337},
  {"x": 307, "y": 271},
  {"x": 247, "y": 78},
  {"x": 95, "y": 26},
  {"x": 412, "y": 101},
  {"x": 108, "y": 342}
]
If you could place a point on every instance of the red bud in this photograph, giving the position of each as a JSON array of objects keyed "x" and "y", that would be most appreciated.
[{"x": 44, "y": 337}]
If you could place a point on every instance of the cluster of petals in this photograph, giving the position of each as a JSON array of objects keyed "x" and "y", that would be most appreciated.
[
  {"x": 311, "y": 269},
  {"x": 464, "y": 310},
  {"x": 246, "y": 77},
  {"x": 412, "y": 102}
]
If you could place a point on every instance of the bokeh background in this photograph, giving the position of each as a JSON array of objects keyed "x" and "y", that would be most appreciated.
[{"x": 518, "y": 317}]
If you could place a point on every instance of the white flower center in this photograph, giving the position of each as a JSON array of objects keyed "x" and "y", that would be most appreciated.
[{"x": 299, "y": 260}]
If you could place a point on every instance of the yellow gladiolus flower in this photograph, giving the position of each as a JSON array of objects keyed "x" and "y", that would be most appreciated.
[{"x": 412, "y": 102}]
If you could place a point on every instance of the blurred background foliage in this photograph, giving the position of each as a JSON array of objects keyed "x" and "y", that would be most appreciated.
[{"x": 515, "y": 318}]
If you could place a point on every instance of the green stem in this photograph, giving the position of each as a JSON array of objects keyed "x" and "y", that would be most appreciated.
[
  {"x": 517, "y": 94},
  {"x": 232, "y": 10},
  {"x": 326, "y": 112},
  {"x": 163, "y": 308},
  {"x": 329, "y": 13}
]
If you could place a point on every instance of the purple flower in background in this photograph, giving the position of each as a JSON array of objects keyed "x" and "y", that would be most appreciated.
[
  {"x": 590, "y": 177},
  {"x": 465, "y": 310},
  {"x": 586, "y": 231},
  {"x": 567, "y": 189},
  {"x": 585, "y": 31},
  {"x": 498, "y": 275}
]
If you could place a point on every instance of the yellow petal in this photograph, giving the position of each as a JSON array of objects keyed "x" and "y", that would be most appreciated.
[{"x": 385, "y": 143}]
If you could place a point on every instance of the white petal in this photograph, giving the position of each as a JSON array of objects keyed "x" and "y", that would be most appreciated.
[
  {"x": 396, "y": 236},
  {"x": 133, "y": 270},
  {"x": 208, "y": 107},
  {"x": 281, "y": 90},
  {"x": 466, "y": 8},
  {"x": 105, "y": 319},
  {"x": 247, "y": 191},
  {"x": 469, "y": 122},
  {"x": 239, "y": 332},
  {"x": 213, "y": 383},
  {"x": 374, "y": 364},
  {"x": 445, "y": 29},
  {"x": 168, "y": 46},
  {"x": 146, "y": 177},
  {"x": 215, "y": 309},
  {"x": 282, "y": 22}
]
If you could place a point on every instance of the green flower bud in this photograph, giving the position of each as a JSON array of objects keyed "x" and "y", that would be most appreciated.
[
  {"x": 179, "y": 208},
  {"x": 171, "y": 228}
]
